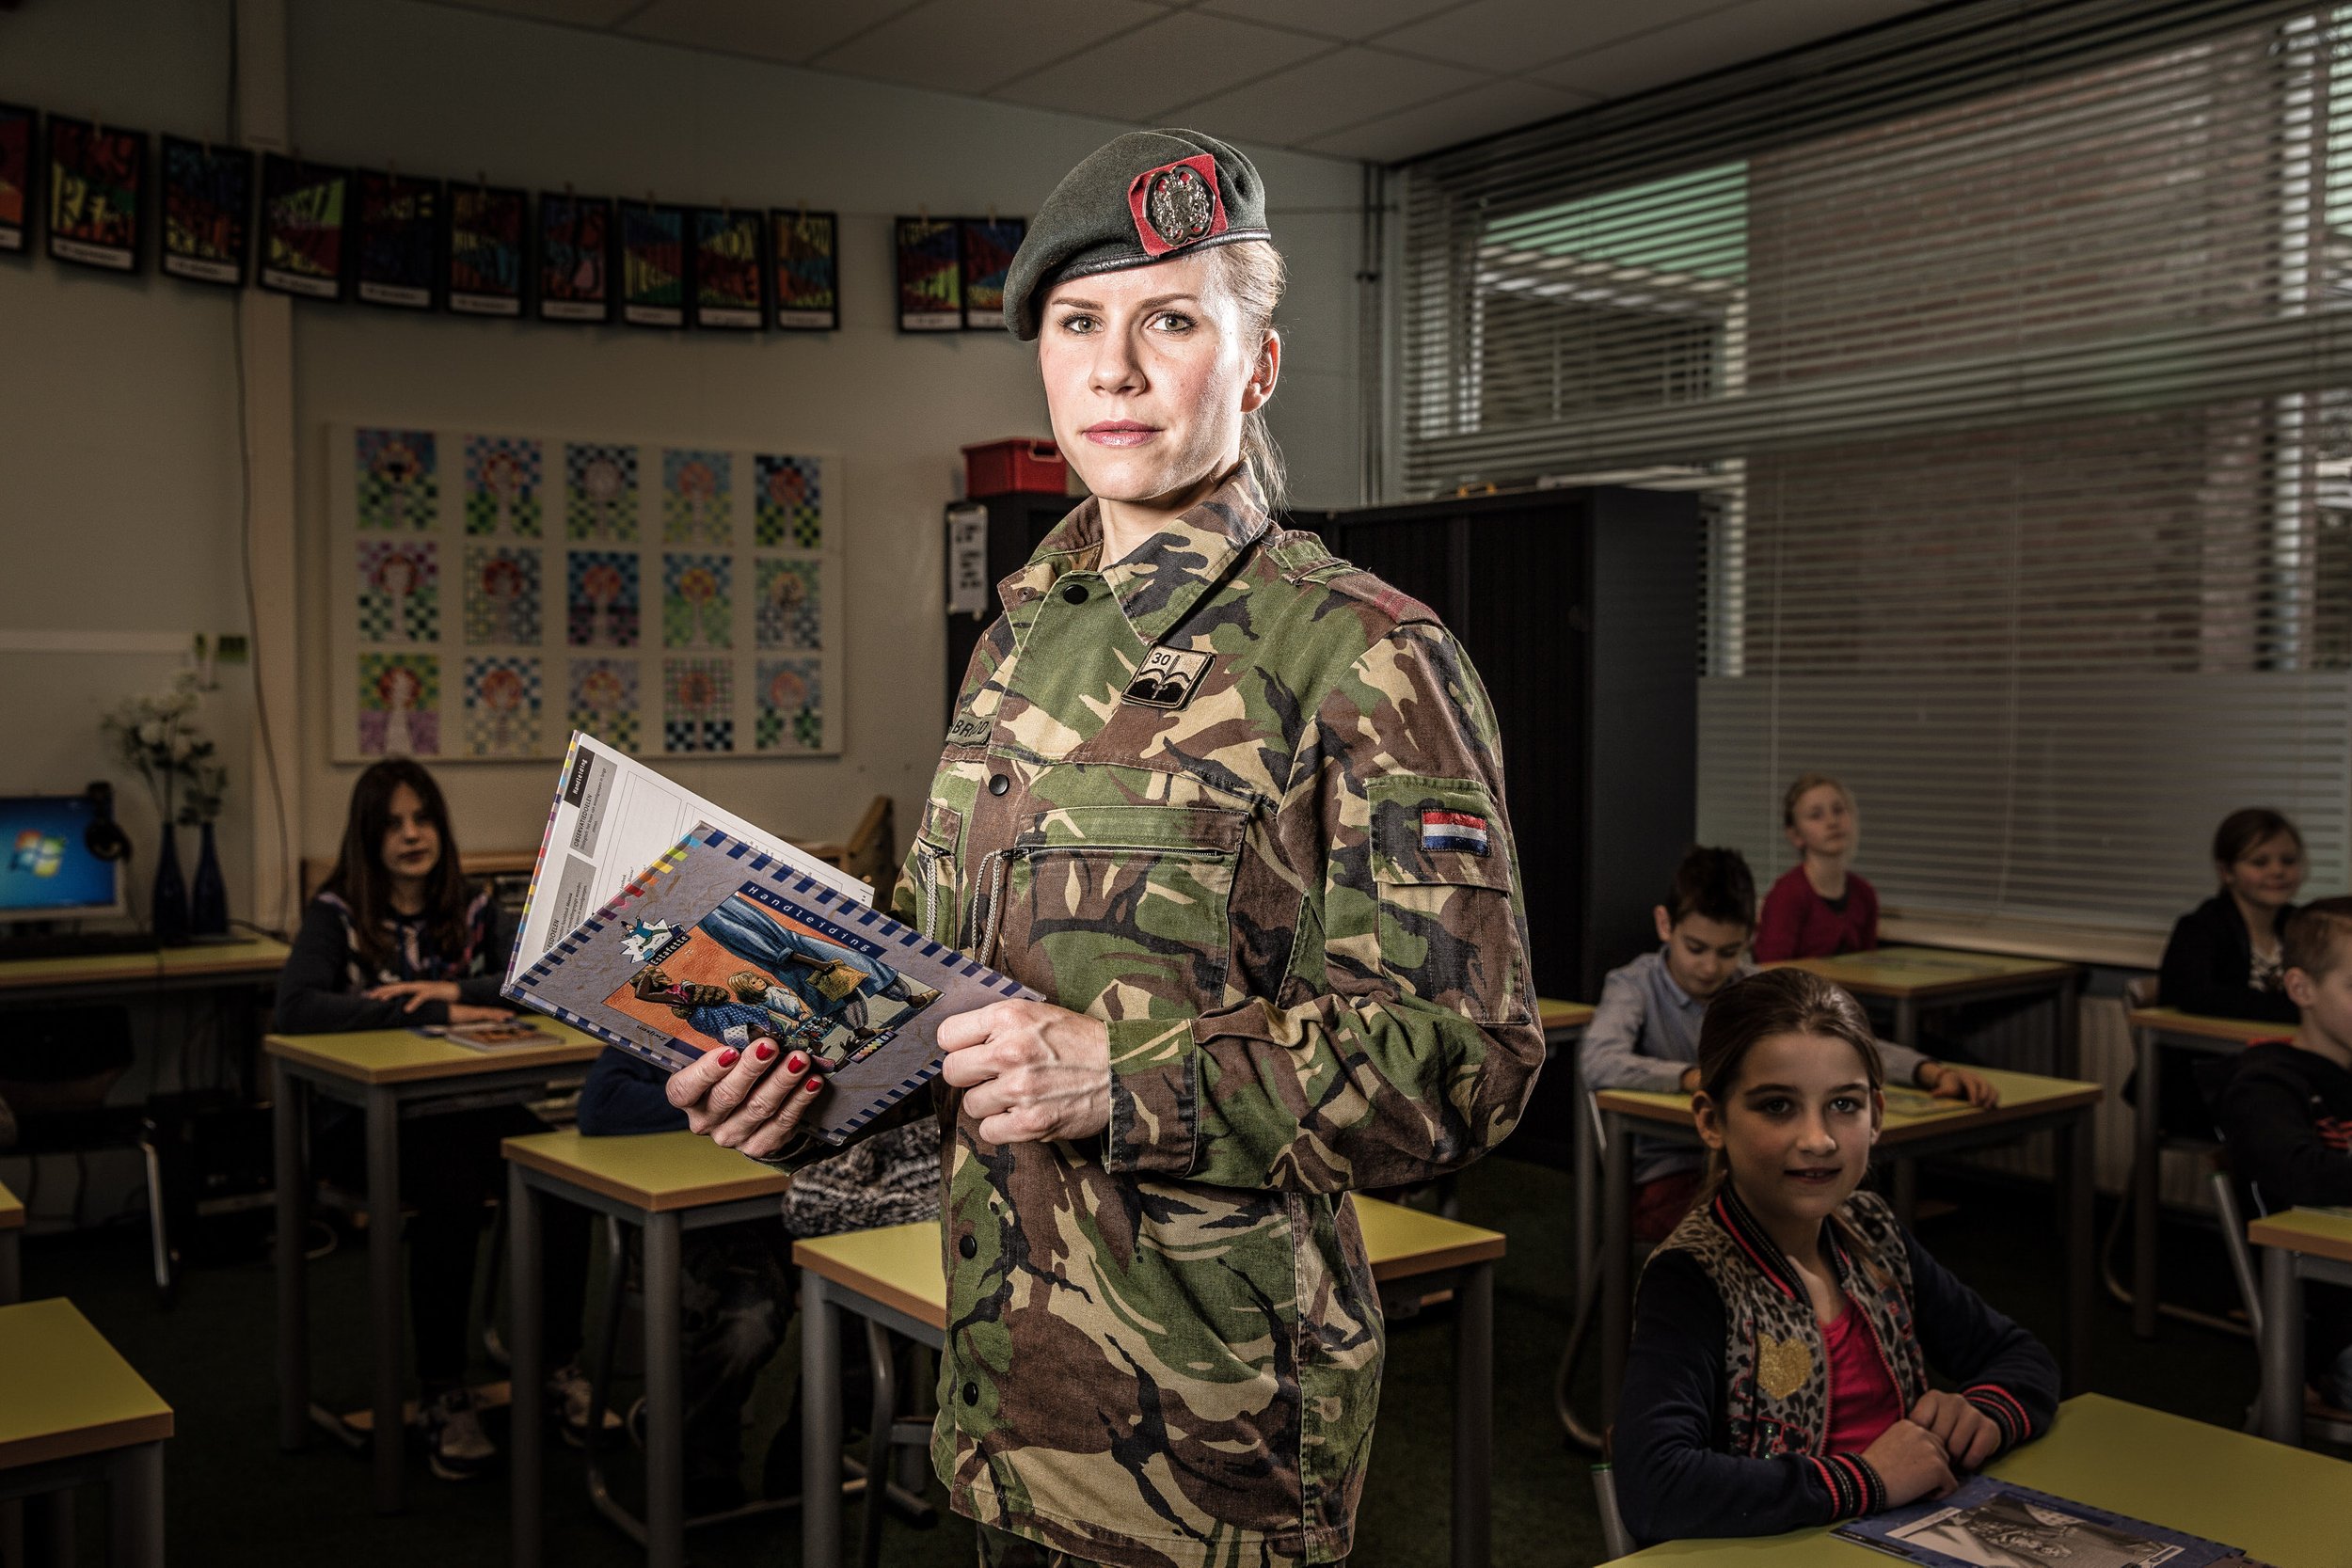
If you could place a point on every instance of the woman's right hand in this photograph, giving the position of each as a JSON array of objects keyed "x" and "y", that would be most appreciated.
[
  {"x": 1911, "y": 1463},
  {"x": 466, "y": 1013},
  {"x": 752, "y": 1100}
]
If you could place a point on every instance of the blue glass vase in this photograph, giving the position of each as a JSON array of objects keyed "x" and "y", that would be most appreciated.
[
  {"x": 208, "y": 898},
  {"x": 168, "y": 906}
]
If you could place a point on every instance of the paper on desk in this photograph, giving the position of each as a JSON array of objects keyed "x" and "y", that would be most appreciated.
[{"x": 614, "y": 816}]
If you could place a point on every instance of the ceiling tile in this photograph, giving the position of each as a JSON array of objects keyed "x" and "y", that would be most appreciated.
[
  {"x": 1481, "y": 111},
  {"x": 973, "y": 45},
  {"x": 1745, "y": 32},
  {"x": 1510, "y": 35},
  {"x": 579, "y": 13},
  {"x": 761, "y": 28},
  {"x": 1323, "y": 94},
  {"x": 1349, "y": 20},
  {"x": 1138, "y": 76}
]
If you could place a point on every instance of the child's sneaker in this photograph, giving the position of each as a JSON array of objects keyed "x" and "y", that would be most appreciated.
[
  {"x": 568, "y": 1395},
  {"x": 454, "y": 1442}
]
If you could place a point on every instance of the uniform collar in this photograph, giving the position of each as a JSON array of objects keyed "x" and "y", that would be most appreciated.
[{"x": 1159, "y": 583}]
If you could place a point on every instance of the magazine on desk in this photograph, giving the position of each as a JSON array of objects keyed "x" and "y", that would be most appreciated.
[
  {"x": 719, "y": 943},
  {"x": 1997, "y": 1524}
]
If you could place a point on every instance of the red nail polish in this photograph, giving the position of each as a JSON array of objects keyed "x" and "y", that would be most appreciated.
[
  {"x": 815, "y": 1084},
  {"x": 795, "y": 1062},
  {"x": 726, "y": 1057},
  {"x": 764, "y": 1050}
]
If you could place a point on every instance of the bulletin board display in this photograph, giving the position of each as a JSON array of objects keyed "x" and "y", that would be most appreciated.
[{"x": 492, "y": 592}]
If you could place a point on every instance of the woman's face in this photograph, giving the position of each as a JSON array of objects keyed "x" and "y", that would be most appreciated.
[
  {"x": 1148, "y": 372},
  {"x": 2269, "y": 875},
  {"x": 1796, "y": 1125},
  {"x": 412, "y": 845}
]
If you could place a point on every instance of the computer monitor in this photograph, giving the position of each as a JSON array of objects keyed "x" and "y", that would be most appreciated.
[{"x": 47, "y": 871}]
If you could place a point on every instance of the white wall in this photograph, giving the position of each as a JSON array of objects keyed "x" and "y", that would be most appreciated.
[{"x": 116, "y": 456}]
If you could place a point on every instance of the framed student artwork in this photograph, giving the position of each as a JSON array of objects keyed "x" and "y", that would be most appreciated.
[
  {"x": 491, "y": 589},
  {"x": 653, "y": 265},
  {"x": 97, "y": 175},
  {"x": 930, "y": 286},
  {"x": 730, "y": 269},
  {"x": 396, "y": 239},
  {"x": 305, "y": 210},
  {"x": 988, "y": 246},
  {"x": 803, "y": 253},
  {"x": 487, "y": 246},
  {"x": 576, "y": 243},
  {"x": 207, "y": 211},
  {"x": 16, "y": 177}
]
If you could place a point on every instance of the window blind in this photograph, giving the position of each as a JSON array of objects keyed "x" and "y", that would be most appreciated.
[{"x": 2009, "y": 345}]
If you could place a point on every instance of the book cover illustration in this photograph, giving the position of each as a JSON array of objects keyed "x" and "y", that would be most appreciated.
[
  {"x": 1990, "y": 1523},
  {"x": 718, "y": 944}
]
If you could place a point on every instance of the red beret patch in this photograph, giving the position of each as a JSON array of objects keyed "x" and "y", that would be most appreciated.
[{"x": 1176, "y": 205}]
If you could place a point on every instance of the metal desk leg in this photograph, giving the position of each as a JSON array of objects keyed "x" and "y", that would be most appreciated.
[
  {"x": 2068, "y": 1036},
  {"x": 524, "y": 1372},
  {"x": 11, "y": 1270},
  {"x": 1907, "y": 1022},
  {"x": 2147, "y": 1170},
  {"x": 135, "y": 1506},
  {"x": 820, "y": 1422},
  {"x": 1474, "y": 1419},
  {"x": 665, "y": 1396},
  {"x": 289, "y": 1100},
  {"x": 2072, "y": 1147},
  {"x": 384, "y": 1324},
  {"x": 2281, "y": 1348},
  {"x": 1617, "y": 1262},
  {"x": 1587, "y": 1168}
]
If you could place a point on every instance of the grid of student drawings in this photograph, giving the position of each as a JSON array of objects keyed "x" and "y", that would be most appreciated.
[{"x": 495, "y": 591}]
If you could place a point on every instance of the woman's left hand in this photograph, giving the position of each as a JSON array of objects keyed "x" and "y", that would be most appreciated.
[
  {"x": 419, "y": 992},
  {"x": 1947, "y": 1082},
  {"x": 1031, "y": 1072}
]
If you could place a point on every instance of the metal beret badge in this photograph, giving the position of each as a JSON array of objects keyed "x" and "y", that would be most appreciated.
[{"x": 1176, "y": 205}]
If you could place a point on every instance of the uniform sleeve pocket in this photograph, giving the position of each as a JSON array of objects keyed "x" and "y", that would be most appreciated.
[
  {"x": 1441, "y": 867},
  {"x": 933, "y": 866}
]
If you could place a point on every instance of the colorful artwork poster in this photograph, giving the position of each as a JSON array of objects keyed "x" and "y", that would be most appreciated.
[
  {"x": 398, "y": 487},
  {"x": 504, "y": 487},
  {"x": 931, "y": 284},
  {"x": 730, "y": 270},
  {"x": 502, "y": 594},
  {"x": 207, "y": 211},
  {"x": 400, "y": 705},
  {"x": 16, "y": 176},
  {"x": 95, "y": 175},
  {"x": 697, "y": 497},
  {"x": 486, "y": 250},
  {"x": 787, "y": 503},
  {"x": 653, "y": 265},
  {"x": 806, "y": 271},
  {"x": 988, "y": 247},
  {"x": 575, "y": 258},
  {"x": 304, "y": 210},
  {"x": 788, "y": 612},
  {"x": 697, "y": 704},
  {"x": 601, "y": 598},
  {"x": 599, "y": 491},
  {"x": 604, "y": 700},
  {"x": 501, "y": 706},
  {"x": 396, "y": 239},
  {"x": 697, "y": 601},
  {"x": 400, "y": 593},
  {"x": 792, "y": 715}
]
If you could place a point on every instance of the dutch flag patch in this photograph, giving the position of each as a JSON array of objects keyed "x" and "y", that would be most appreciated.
[{"x": 1458, "y": 830}]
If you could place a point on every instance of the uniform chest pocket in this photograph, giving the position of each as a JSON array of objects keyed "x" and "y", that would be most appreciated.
[
  {"x": 1122, "y": 911},
  {"x": 932, "y": 867},
  {"x": 1442, "y": 868}
]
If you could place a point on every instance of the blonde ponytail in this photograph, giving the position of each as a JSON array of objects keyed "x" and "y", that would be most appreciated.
[{"x": 1254, "y": 275}]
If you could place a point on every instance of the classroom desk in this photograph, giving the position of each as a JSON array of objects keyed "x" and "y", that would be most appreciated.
[
  {"x": 390, "y": 1074},
  {"x": 1916, "y": 1128},
  {"x": 1914, "y": 979},
  {"x": 892, "y": 1277},
  {"x": 2300, "y": 1245},
  {"x": 664, "y": 1183},
  {"x": 194, "y": 967},
  {"x": 2152, "y": 1027},
  {"x": 76, "y": 1412},
  {"x": 2282, "y": 1505},
  {"x": 12, "y": 1262}
]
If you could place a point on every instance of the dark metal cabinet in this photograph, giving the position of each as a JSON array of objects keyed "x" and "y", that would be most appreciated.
[{"x": 1017, "y": 525}]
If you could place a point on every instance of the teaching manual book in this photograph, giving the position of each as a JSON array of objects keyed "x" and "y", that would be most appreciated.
[
  {"x": 1996, "y": 1524},
  {"x": 720, "y": 943}
]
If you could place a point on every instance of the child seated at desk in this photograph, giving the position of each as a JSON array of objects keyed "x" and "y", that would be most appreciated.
[
  {"x": 1645, "y": 1032},
  {"x": 1818, "y": 909},
  {"x": 1784, "y": 1333},
  {"x": 2285, "y": 1107},
  {"x": 397, "y": 939}
]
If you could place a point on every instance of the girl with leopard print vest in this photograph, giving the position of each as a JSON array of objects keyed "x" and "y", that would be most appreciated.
[{"x": 1785, "y": 1331}]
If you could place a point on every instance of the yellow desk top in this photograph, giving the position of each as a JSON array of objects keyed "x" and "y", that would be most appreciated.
[
  {"x": 657, "y": 1172},
  {"x": 1910, "y": 1113},
  {"x": 2319, "y": 1232},
  {"x": 898, "y": 1265},
  {"x": 69, "y": 1392},
  {"x": 404, "y": 1057},
  {"x": 1561, "y": 1015},
  {"x": 1900, "y": 972},
  {"x": 11, "y": 1210},
  {"x": 2285, "y": 1506},
  {"x": 257, "y": 955},
  {"x": 2171, "y": 1020}
]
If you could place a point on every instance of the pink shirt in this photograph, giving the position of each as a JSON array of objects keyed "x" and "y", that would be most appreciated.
[
  {"x": 1862, "y": 1401},
  {"x": 1798, "y": 923}
]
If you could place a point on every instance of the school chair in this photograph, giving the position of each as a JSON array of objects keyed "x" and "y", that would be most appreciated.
[
  {"x": 1614, "y": 1538},
  {"x": 2223, "y": 1183},
  {"x": 1587, "y": 1298}
]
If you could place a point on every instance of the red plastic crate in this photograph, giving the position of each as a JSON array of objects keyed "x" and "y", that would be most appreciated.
[{"x": 1021, "y": 465}]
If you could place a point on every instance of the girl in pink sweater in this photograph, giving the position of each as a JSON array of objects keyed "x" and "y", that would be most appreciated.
[{"x": 1819, "y": 909}]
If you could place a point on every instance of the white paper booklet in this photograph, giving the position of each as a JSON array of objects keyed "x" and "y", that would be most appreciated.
[{"x": 614, "y": 816}]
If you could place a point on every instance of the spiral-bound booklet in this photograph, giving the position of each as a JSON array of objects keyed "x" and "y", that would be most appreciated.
[{"x": 721, "y": 943}]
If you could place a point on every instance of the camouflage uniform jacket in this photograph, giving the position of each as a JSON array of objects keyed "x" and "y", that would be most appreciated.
[{"x": 1243, "y": 801}]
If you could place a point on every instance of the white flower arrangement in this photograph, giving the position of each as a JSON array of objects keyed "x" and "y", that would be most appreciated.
[{"x": 156, "y": 735}]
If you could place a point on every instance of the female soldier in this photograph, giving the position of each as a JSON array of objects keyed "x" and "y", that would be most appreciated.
[{"x": 1235, "y": 807}]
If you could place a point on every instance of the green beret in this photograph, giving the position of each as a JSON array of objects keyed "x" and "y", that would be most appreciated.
[{"x": 1138, "y": 200}]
